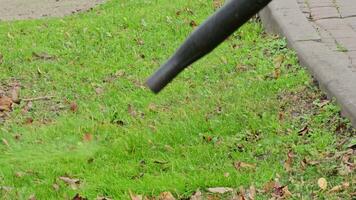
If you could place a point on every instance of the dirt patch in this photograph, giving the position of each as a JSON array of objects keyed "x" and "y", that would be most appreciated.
[{"x": 33, "y": 9}]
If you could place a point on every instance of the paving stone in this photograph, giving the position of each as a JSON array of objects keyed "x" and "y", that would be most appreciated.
[
  {"x": 351, "y": 21},
  {"x": 345, "y": 32},
  {"x": 348, "y": 11},
  {"x": 345, "y": 2},
  {"x": 324, "y": 13},
  {"x": 348, "y": 43},
  {"x": 320, "y": 3},
  {"x": 332, "y": 24}
]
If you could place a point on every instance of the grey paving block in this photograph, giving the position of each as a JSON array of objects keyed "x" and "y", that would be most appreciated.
[
  {"x": 348, "y": 11},
  {"x": 320, "y": 3},
  {"x": 324, "y": 13},
  {"x": 348, "y": 43}
]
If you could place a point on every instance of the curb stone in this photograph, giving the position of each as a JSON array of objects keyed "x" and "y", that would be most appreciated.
[{"x": 331, "y": 69}]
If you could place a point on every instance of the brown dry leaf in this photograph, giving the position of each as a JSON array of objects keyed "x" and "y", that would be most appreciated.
[
  {"x": 289, "y": 162},
  {"x": 73, "y": 106},
  {"x": 55, "y": 186},
  {"x": 286, "y": 192},
  {"x": 220, "y": 190},
  {"x": 197, "y": 195},
  {"x": 241, "y": 165},
  {"x": 269, "y": 186},
  {"x": 166, "y": 196},
  {"x": 5, "y": 104},
  {"x": 103, "y": 198},
  {"x": 99, "y": 90},
  {"x": 32, "y": 197},
  {"x": 131, "y": 110},
  {"x": 15, "y": 93},
  {"x": 78, "y": 197},
  {"x": 5, "y": 142},
  {"x": 135, "y": 197},
  {"x": 43, "y": 56},
  {"x": 252, "y": 192},
  {"x": 339, "y": 188},
  {"x": 1, "y": 58},
  {"x": 323, "y": 183},
  {"x": 73, "y": 183},
  {"x": 193, "y": 24},
  {"x": 88, "y": 137},
  {"x": 304, "y": 131},
  {"x": 217, "y": 3}
]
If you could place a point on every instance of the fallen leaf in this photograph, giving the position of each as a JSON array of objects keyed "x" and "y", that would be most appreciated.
[
  {"x": 5, "y": 104},
  {"x": 78, "y": 197},
  {"x": 1, "y": 58},
  {"x": 340, "y": 188},
  {"x": 103, "y": 198},
  {"x": 87, "y": 137},
  {"x": 193, "y": 24},
  {"x": 5, "y": 142},
  {"x": 73, "y": 106},
  {"x": 55, "y": 186},
  {"x": 197, "y": 196},
  {"x": 240, "y": 165},
  {"x": 99, "y": 90},
  {"x": 73, "y": 183},
  {"x": 131, "y": 110},
  {"x": 220, "y": 190},
  {"x": 289, "y": 162},
  {"x": 15, "y": 93},
  {"x": 19, "y": 174},
  {"x": 323, "y": 184},
  {"x": 304, "y": 131},
  {"x": 252, "y": 192},
  {"x": 32, "y": 197},
  {"x": 166, "y": 196},
  {"x": 43, "y": 56},
  {"x": 135, "y": 197},
  {"x": 286, "y": 192},
  {"x": 269, "y": 186}
]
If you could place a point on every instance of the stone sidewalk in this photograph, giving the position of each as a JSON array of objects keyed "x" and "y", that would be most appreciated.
[
  {"x": 323, "y": 33},
  {"x": 335, "y": 21}
]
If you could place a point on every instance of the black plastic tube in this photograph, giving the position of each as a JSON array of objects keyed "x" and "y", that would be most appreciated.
[{"x": 206, "y": 38}]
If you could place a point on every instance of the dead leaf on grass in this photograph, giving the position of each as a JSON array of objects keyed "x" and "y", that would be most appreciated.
[
  {"x": 55, "y": 186},
  {"x": 78, "y": 197},
  {"x": 5, "y": 104},
  {"x": 197, "y": 195},
  {"x": 32, "y": 197},
  {"x": 15, "y": 93},
  {"x": 166, "y": 196},
  {"x": 5, "y": 142},
  {"x": 289, "y": 162},
  {"x": 220, "y": 190},
  {"x": 72, "y": 182},
  {"x": 73, "y": 106},
  {"x": 87, "y": 137},
  {"x": 242, "y": 165},
  {"x": 103, "y": 198},
  {"x": 135, "y": 196},
  {"x": 43, "y": 56},
  {"x": 323, "y": 183},
  {"x": 304, "y": 131}
]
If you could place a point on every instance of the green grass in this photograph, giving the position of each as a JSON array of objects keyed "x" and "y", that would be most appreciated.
[{"x": 230, "y": 106}]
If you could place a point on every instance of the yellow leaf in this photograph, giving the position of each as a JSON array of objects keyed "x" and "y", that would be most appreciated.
[{"x": 323, "y": 183}]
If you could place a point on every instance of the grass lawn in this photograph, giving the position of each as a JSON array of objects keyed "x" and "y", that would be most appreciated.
[{"x": 247, "y": 115}]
